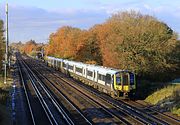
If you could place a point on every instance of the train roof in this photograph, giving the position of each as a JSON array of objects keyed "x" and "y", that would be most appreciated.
[
  {"x": 102, "y": 70},
  {"x": 79, "y": 64},
  {"x": 50, "y": 57}
]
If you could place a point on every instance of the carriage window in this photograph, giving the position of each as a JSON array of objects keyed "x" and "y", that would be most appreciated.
[
  {"x": 64, "y": 65},
  {"x": 89, "y": 73},
  {"x": 59, "y": 64},
  {"x": 79, "y": 70},
  {"x": 101, "y": 77},
  {"x": 108, "y": 78},
  {"x": 70, "y": 67}
]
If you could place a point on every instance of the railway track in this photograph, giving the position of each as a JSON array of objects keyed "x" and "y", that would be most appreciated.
[
  {"x": 51, "y": 110},
  {"x": 153, "y": 115},
  {"x": 26, "y": 95},
  {"x": 121, "y": 111},
  {"x": 158, "y": 118},
  {"x": 77, "y": 119},
  {"x": 96, "y": 106},
  {"x": 138, "y": 115},
  {"x": 155, "y": 112},
  {"x": 146, "y": 119}
]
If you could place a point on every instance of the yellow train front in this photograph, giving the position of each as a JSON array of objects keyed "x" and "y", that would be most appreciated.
[{"x": 124, "y": 84}]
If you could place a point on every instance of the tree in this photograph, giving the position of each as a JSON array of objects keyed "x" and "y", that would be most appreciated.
[
  {"x": 30, "y": 47},
  {"x": 127, "y": 40},
  {"x": 88, "y": 50},
  {"x": 64, "y": 42},
  {"x": 130, "y": 40},
  {"x": 2, "y": 43}
]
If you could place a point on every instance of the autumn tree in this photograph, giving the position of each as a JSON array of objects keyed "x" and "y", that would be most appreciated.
[
  {"x": 88, "y": 50},
  {"x": 64, "y": 42},
  {"x": 130, "y": 40},
  {"x": 29, "y": 47},
  {"x": 127, "y": 40}
]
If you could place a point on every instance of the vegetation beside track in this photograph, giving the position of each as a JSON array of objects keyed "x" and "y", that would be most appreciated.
[
  {"x": 4, "y": 96},
  {"x": 167, "y": 98}
]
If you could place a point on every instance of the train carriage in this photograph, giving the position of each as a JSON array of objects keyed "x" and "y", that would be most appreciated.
[
  {"x": 117, "y": 83},
  {"x": 59, "y": 63},
  {"x": 50, "y": 61},
  {"x": 71, "y": 67}
]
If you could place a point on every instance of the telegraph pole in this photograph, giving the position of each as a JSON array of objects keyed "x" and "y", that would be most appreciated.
[{"x": 6, "y": 53}]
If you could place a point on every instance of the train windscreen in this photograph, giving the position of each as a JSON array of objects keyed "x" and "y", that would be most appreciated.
[
  {"x": 125, "y": 79},
  {"x": 118, "y": 79},
  {"x": 132, "y": 78}
]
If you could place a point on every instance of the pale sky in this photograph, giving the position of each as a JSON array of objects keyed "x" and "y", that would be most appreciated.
[{"x": 36, "y": 19}]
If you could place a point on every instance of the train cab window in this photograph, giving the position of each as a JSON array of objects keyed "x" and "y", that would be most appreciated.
[
  {"x": 125, "y": 78},
  {"x": 118, "y": 80},
  {"x": 132, "y": 77}
]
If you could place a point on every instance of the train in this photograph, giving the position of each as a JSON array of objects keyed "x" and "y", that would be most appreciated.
[
  {"x": 39, "y": 55},
  {"x": 117, "y": 83}
]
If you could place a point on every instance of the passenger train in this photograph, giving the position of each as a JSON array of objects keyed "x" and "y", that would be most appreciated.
[{"x": 116, "y": 83}]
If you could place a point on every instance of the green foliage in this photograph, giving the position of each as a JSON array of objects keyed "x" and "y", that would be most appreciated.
[
  {"x": 166, "y": 92},
  {"x": 176, "y": 110},
  {"x": 90, "y": 50},
  {"x": 127, "y": 40},
  {"x": 4, "y": 90},
  {"x": 5, "y": 118},
  {"x": 141, "y": 43},
  {"x": 167, "y": 97},
  {"x": 2, "y": 42}
]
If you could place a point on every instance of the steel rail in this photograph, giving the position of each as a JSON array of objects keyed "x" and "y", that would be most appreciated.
[
  {"x": 160, "y": 113},
  {"x": 46, "y": 109},
  {"x": 71, "y": 104},
  {"x": 59, "y": 108},
  {"x": 121, "y": 109},
  {"x": 27, "y": 97},
  {"x": 125, "y": 122},
  {"x": 129, "y": 107},
  {"x": 148, "y": 116}
]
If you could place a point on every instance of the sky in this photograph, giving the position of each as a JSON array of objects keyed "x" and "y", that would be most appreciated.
[{"x": 37, "y": 19}]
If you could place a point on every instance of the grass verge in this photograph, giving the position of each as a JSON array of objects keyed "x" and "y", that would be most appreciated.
[
  {"x": 167, "y": 98},
  {"x": 4, "y": 95}
]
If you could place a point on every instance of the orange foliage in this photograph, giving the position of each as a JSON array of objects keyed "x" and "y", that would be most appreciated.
[
  {"x": 64, "y": 43},
  {"x": 28, "y": 47},
  {"x": 127, "y": 40}
]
